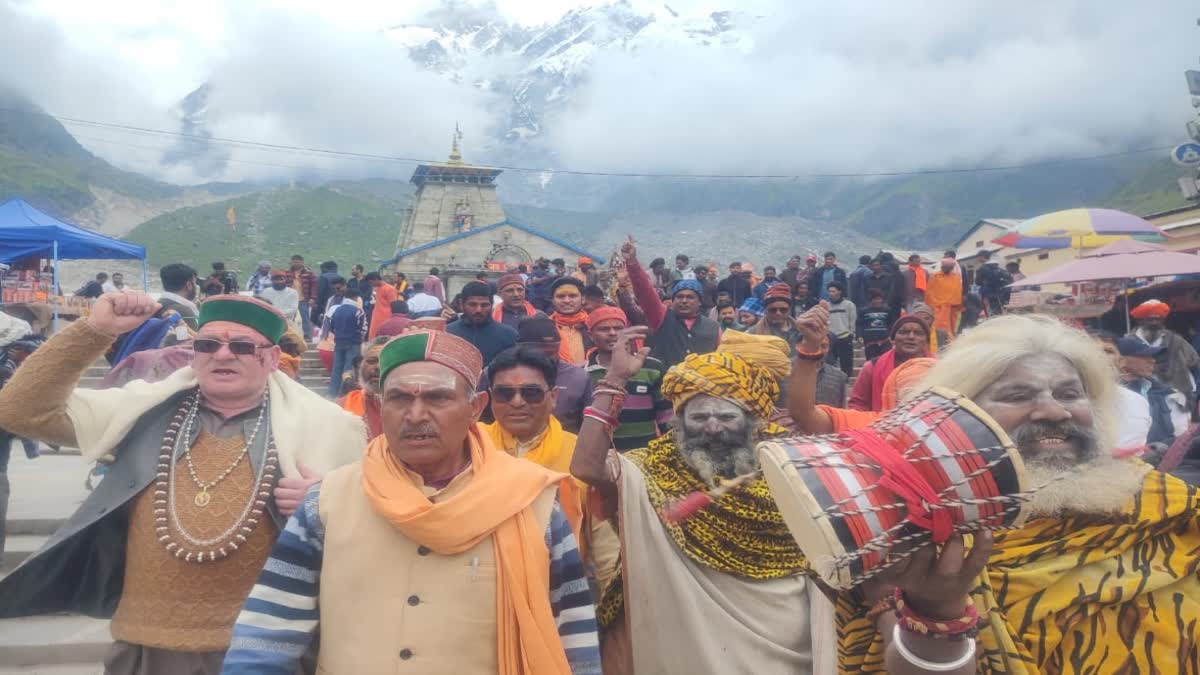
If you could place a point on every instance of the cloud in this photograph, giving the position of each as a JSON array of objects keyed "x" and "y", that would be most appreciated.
[
  {"x": 811, "y": 87},
  {"x": 276, "y": 77},
  {"x": 829, "y": 87}
]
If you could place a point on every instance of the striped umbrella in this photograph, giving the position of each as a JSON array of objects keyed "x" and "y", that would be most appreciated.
[{"x": 1078, "y": 228}]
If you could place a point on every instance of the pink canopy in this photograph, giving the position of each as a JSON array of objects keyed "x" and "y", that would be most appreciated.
[{"x": 1125, "y": 259}]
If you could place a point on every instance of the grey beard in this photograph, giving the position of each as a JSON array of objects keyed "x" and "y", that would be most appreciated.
[{"x": 724, "y": 458}]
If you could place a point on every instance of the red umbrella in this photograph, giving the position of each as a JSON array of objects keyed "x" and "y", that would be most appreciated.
[{"x": 1125, "y": 259}]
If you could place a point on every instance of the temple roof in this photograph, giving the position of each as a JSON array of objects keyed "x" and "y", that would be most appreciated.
[
  {"x": 454, "y": 170},
  {"x": 487, "y": 228}
]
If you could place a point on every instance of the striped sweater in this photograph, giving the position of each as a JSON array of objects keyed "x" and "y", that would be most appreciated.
[{"x": 281, "y": 615}]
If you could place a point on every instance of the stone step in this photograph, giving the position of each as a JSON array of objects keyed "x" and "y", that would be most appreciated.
[
  {"x": 18, "y": 547},
  {"x": 64, "y": 669},
  {"x": 53, "y": 640},
  {"x": 31, "y": 527}
]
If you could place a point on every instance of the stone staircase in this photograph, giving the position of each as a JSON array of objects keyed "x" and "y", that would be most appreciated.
[{"x": 45, "y": 491}]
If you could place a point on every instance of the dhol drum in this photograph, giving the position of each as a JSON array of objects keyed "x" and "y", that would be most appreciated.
[{"x": 859, "y": 501}]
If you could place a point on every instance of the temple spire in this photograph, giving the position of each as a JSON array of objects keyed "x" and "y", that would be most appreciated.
[{"x": 455, "y": 152}]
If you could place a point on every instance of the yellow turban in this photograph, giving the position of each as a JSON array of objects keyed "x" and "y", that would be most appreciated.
[
  {"x": 725, "y": 376},
  {"x": 768, "y": 351}
]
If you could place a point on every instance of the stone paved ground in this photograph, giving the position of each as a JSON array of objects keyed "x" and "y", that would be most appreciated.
[{"x": 44, "y": 492}]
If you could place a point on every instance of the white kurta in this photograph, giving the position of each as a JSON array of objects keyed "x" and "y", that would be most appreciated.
[{"x": 685, "y": 618}]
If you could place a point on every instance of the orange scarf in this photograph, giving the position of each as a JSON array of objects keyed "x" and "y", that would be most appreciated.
[
  {"x": 498, "y": 312},
  {"x": 495, "y": 503},
  {"x": 570, "y": 329}
]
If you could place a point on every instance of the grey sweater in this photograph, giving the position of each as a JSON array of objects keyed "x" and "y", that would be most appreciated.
[{"x": 843, "y": 317}]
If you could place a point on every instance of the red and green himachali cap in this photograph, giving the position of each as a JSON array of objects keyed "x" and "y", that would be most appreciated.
[
  {"x": 424, "y": 345},
  {"x": 249, "y": 312}
]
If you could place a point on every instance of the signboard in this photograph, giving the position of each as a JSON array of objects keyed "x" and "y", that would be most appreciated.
[
  {"x": 496, "y": 266},
  {"x": 1187, "y": 154}
]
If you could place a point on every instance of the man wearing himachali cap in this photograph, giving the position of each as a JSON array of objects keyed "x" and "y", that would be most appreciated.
[
  {"x": 208, "y": 465},
  {"x": 438, "y": 553},
  {"x": 1176, "y": 362}
]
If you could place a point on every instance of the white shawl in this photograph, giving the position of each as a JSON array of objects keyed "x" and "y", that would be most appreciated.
[{"x": 306, "y": 426}]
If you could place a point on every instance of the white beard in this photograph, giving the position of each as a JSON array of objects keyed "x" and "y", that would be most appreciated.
[{"x": 1099, "y": 487}]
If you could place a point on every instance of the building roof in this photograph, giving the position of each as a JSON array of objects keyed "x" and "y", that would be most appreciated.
[
  {"x": 511, "y": 223},
  {"x": 454, "y": 173},
  {"x": 1002, "y": 223}
]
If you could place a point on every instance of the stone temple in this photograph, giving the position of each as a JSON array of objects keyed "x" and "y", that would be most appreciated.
[{"x": 457, "y": 224}]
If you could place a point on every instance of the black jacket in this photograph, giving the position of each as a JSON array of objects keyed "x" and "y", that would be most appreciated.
[
  {"x": 737, "y": 287},
  {"x": 673, "y": 341}
]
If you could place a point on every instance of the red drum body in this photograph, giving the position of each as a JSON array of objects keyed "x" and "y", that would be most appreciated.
[{"x": 850, "y": 504}]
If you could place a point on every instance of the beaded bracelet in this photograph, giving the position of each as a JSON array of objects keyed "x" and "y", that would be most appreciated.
[{"x": 955, "y": 629}]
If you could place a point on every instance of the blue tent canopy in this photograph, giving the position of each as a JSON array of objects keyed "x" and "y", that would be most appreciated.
[{"x": 26, "y": 231}]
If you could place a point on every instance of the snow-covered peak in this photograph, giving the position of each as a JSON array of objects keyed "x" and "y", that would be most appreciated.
[{"x": 540, "y": 66}]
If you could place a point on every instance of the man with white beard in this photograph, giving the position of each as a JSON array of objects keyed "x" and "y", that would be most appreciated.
[
  {"x": 364, "y": 401},
  {"x": 1105, "y": 577},
  {"x": 710, "y": 579}
]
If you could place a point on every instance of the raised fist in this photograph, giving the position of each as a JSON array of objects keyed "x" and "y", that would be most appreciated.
[{"x": 121, "y": 312}]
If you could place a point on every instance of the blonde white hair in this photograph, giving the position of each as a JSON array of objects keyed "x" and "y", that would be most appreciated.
[{"x": 977, "y": 359}]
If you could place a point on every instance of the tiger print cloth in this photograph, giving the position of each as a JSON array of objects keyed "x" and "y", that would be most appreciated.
[
  {"x": 742, "y": 533},
  {"x": 1079, "y": 595}
]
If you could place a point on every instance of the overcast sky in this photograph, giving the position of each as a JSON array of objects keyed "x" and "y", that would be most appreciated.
[{"x": 812, "y": 86}]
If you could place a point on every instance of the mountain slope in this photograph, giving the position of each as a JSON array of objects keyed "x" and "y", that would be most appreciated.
[
  {"x": 921, "y": 211},
  {"x": 317, "y": 222},
  {"x": 43, "y": 163}
]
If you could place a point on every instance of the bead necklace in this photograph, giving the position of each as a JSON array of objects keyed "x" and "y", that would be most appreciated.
[
  {"x": 164, "y": 493},
  {"x": 203, "y": 497}
]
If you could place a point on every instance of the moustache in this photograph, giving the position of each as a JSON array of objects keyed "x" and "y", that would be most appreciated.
[
  {"x": 426, "y": 429},
  {"x": 1083, "y": 438}
]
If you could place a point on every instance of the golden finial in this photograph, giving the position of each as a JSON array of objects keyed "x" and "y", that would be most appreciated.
[{"x": 455, "y": 153}]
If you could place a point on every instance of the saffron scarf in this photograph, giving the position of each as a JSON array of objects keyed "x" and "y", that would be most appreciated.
[
  {"x": 570, "y": 329},
  {"x": 366, "y": 407},
  {"x": 1080, "y": 595},
  {"x": 496, "y": 503},
  {"x": 498, "y": 312},
  {"x": 553, "y": 451},
  {"x": 881, "y": 368}
]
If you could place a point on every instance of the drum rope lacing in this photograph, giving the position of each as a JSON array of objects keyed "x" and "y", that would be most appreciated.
[{"x": 946, "y": 499}]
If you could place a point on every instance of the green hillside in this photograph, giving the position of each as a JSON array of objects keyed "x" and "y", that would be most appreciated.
[
  {"x": 923, "y": 211},
  {"x": 317, "y": 222},
  {"x": 41, "y": 162}
]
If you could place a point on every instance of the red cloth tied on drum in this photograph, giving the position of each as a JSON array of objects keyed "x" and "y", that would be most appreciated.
[
  {"x": 903, "y": 480},
  {"x": 858, "y": 501}
]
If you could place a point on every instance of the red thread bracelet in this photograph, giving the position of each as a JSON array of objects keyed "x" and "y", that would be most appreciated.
[{"x": 955, "y": 629}]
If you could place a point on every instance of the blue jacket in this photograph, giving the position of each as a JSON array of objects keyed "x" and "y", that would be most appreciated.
[
  {"x": 490, "y": 338},
  {"x": 348, "y": 324}
]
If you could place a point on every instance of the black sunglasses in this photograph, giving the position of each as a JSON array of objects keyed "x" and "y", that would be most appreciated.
[
  {"x": 530, "y": 393},
  {"x": 237, "y": 347},
  {"x": 778, "y": 310}
]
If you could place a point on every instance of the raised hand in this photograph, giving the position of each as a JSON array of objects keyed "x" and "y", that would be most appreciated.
[
  {"x": 813, "y": 326},
  {"x": 626, "y": 362},
  {"x": 120, "y": 312},
  {"x": 629, "y": 249}
]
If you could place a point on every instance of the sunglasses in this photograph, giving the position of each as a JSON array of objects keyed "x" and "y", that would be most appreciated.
[
  {"x": 237, "y": 347},
  {"x": 530, "y": 393},
  {"x": 778, "y": 310}
]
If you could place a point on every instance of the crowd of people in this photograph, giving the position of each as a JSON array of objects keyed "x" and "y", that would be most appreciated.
[{"x": 555, "y": 471}]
